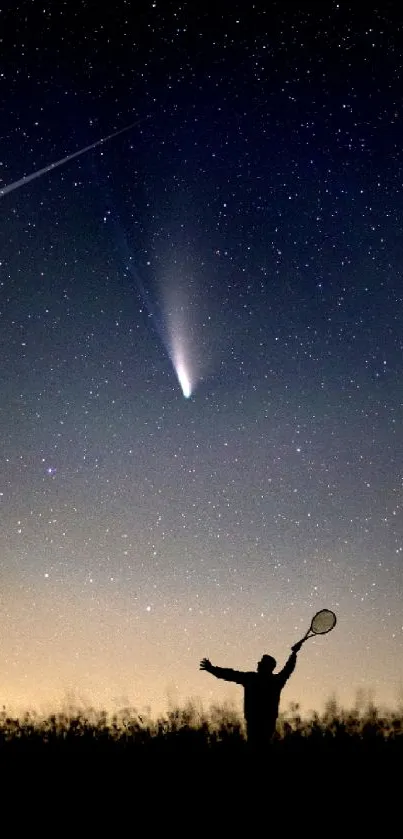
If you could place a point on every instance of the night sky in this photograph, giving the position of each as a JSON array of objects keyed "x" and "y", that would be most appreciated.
[{"x": 244, "y": 237}]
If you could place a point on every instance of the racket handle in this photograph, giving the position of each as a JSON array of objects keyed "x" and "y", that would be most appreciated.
[{"x": 298, "y": 645}]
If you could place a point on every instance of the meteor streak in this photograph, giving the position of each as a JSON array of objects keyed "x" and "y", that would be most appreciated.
[{"x": 27, "y": 178}]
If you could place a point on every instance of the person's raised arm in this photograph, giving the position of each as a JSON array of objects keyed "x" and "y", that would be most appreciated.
[
  {"x": 222, "y": 672},
  {"x": 289, "y": 666}
]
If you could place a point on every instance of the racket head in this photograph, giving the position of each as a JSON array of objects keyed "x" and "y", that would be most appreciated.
[{"x": 323, "y": 622}]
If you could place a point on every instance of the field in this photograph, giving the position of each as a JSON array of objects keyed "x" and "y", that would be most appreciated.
[
  {"x": 359, "y": 734},
  {"x": 196, "y": 762}
]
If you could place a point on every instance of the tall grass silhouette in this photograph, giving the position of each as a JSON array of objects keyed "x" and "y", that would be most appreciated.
[
  {"x": 191, "y": 763},
  {"x": 190, "y": 730}
]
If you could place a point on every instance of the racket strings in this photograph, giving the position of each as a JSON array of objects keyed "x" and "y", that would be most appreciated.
[{"x": 323, "y": 622}]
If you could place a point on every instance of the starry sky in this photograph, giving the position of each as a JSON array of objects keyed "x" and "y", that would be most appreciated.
[{"x": 244, "y": 233}]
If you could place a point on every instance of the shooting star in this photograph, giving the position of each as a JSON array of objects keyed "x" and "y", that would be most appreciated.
[{"x": 28, "y": 178}]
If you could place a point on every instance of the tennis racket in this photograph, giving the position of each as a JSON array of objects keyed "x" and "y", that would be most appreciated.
[{"x": 321, "y": 623}]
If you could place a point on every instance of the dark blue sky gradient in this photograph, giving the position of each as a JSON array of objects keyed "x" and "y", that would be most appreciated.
[{"x": 254, "y": 217}]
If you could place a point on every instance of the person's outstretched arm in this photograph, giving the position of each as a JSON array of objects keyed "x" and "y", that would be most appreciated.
[
  {"x": 289, "y": 666},
  {"x": 223, "y": 672}
]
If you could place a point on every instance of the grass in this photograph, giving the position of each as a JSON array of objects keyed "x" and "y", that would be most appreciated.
[
  {"x": 191, "y": 764},
  {"x": 191, "y": 731}
]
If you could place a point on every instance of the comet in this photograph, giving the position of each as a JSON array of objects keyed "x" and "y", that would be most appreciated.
[
  {"x": 178, "y": 289},
  {"x": 177, "y": 345},
  {"x": 63, "y": 160},
  {"x": 183, "y": 378},
  {"x": 175, "y": 340}
]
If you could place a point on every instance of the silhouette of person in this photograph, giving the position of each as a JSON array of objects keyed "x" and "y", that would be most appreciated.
[{"x": 262, "y": 689}]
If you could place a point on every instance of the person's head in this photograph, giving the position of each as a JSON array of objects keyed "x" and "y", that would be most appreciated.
[{"x": 266, "y": 664}]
